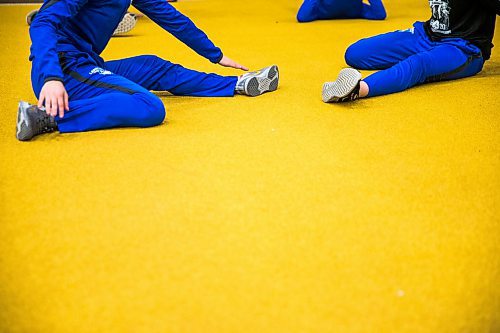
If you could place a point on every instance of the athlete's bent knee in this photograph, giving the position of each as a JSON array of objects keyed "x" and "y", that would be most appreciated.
[
  {"x": 153, "y": 111},
  {"x": 355, "y": 56},
  {"x": 304, "y": 18}
]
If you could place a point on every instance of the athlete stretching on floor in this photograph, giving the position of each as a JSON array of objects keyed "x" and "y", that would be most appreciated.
[
  {"x": 82, "y": 92},
  {"x": 453, "y": 44},
  {"x": 312, "y": 10}
]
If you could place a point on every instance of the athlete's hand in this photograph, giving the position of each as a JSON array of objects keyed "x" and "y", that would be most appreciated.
[
  {"x": 55, "y": 97},
  {"x": 226, "y": 62}
]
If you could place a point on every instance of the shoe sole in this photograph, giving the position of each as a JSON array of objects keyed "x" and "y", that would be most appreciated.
[
  {"x": 347, "y": 80},
  {"x": 30, "y": 16},
  {"x": 127, "y": 23},
  {"x": 258, "y": 85},
  {"x": 23, "y": 132}
]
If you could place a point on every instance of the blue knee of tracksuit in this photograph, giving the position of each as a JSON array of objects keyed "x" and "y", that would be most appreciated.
[{"x": 407, "y": 58}]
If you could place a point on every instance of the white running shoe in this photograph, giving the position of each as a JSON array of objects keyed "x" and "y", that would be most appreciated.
[
  {"x": 126, "y": 24},
  {"x": 259, "y": 82},
  {"x": 344, "y": 89}
]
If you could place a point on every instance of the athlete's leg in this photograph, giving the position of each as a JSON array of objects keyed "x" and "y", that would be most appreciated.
[
  {"x": 374, "y": 11},
  {"x": 312, "y": 10},
  {"x": 443, "y": 62},
  {"x": 154, "y": 73},
  {"x": 308, "y": 11},
  {"x": 112, "y": 110},
  {"x": 386, "y": 50},
  {"x": 100, "y": 99}
]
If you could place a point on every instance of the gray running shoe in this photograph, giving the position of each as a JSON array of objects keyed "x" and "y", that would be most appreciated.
[
  {"x": 259, "y": 82},
  {"x": 344, "y": 89},
  {"x": 126, "y": 24},
  {"x": 32, "y": 121}
]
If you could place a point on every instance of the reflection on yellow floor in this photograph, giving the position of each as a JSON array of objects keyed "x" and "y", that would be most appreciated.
[{"x": 271, "y": 214}]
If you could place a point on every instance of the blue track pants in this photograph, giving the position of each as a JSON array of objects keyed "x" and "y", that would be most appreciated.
[
  {"x": 312, "y": 10},
  {"x": 409, "y": 58},
  {"x": 117, "y": 94}
]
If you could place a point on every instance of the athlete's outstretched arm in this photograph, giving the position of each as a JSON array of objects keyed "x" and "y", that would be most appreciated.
[
  {"x": 166, "y": 16},
  {"x": 49, "y": 19},
  {"x": 374, "y": 11}
]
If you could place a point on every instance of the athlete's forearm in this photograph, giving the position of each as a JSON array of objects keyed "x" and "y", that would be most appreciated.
[{"x": 166, "y": 16}]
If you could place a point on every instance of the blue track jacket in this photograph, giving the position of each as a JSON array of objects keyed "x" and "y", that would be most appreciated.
[{"x": 86, "y": 26}]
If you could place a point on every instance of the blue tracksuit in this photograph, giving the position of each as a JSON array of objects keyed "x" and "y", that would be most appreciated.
[
  {"x": 312, "y": 10},
  {"x": 409, "y": 57},
  {"x": 454, "y": 43},
  {"x": 67, "y": 39}
]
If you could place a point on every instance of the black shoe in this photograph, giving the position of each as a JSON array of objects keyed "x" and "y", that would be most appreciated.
[
  {"x": 344, "y": 89},
  {"x": 32, "y": 121}
]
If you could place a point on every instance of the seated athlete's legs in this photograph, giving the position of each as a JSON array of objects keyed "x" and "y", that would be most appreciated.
[
  {"x": 99, "y": 99},
  {"x": 154, "y": 73},
  {"x": 443, "y": 62},
  {"x": 386, "y": 50}
]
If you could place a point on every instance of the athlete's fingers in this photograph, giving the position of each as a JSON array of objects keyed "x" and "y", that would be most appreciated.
[
  {"x": 53, "y": 106},
  {"x": 48, "y": 105},
  {"x": 41, "y": 99},
  {"x": 66, "y": 101},
  {"x": 60, "y": 104},
  {"x": 236, "y": 65},
  {"x": 227, "y": 62},
  {"x": 244, "y": 68}
]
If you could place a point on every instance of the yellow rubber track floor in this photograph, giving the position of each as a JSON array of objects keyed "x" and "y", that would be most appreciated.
[{"x": 275, "y": 214}]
